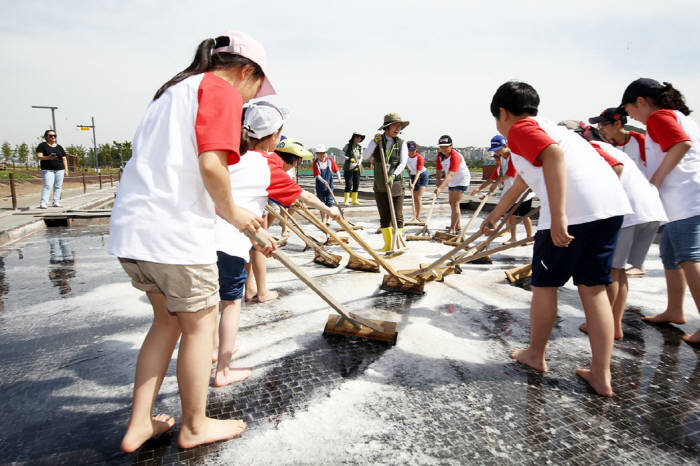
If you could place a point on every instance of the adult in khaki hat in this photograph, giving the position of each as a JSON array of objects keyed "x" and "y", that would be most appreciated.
[{"x": 395, "y": 158}]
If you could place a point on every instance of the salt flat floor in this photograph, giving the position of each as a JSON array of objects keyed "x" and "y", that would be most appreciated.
[{"x": 447, "y": 393}]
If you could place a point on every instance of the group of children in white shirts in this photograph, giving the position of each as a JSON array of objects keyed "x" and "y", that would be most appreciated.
[{"x": 204, "y": 167}]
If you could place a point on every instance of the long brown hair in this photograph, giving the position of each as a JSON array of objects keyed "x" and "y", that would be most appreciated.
[{"x": 204, "y": 60}]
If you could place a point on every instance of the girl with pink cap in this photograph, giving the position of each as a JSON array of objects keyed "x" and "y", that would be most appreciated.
[{"x": 162, "y": 227}]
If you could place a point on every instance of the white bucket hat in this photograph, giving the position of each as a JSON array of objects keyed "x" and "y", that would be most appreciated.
[
  {"x": 263, "y": 118},
  {"x": 320, "y": 148}
]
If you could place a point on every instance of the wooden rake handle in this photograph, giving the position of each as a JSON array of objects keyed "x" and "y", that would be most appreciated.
[
  {"x": 300, "y": 234},
  {"x": 310, "y": 217},
  {"x": 395, "y": 243},
  {"x": 374, "y": 254},
  {"x": 301, "y": 275},
  {"x": 471, "y": 220}
]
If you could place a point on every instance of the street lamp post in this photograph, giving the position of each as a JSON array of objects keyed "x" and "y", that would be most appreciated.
[
  {"x": 94, "y": 140},
  {"x": 53, "y": 116}
]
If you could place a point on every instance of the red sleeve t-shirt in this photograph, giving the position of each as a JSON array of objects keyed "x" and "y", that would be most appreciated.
[
  {"x": 663, "y": 127},
  {"x": 420, "y": 163},
  {"x": 334, "y": 167},
  {"x": 282, "y": 188},
  {"x": 527, "y": 139},
  {"x": 218, "y": 123},
  {"x": 639, "y": 137},
  {"x": 612, "y": 161},
  {"x": 316, "y": 170}
]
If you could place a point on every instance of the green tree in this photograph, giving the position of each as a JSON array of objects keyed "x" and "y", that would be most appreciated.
[
  {"x": 80, "y": 152},
  {"x": 7, "y": 151},
  {"x": 122, "y": 152},
  {"x": 22, "y": 151}
]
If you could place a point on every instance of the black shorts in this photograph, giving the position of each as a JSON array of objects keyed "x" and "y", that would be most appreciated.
[
  {"x": 524, "y": 208},
  {"x": 588, "y": 258}
]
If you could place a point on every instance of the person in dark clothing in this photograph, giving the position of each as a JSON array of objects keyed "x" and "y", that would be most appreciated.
[
  {"x": 352, "y": 167},
  {"x": 54, "y": 166}
]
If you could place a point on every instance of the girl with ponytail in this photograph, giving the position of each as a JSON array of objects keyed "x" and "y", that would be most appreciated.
[
  {"x": 162, "y": 227},
  {"x": 673, "y": 165}
]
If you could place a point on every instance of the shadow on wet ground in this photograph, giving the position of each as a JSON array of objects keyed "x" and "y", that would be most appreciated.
[{"x": 66, "y": 368}]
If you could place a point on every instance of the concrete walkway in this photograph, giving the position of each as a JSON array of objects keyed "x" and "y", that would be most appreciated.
[{"x": 16, "y": 224}]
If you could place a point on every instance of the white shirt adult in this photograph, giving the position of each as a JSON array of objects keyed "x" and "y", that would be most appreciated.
[
  {"x": 403, "y": 154},
  {"x": 162, "y": 212},
  {"x": 593, "y": 191}
]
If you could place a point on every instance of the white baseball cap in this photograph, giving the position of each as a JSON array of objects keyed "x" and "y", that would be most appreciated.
[
  {"x": 244, "y": 45},
  {"x": 262, "y": 118}
]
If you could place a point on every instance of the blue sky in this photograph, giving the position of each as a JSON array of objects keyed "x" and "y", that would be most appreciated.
[{"x": 340, "y": 67}]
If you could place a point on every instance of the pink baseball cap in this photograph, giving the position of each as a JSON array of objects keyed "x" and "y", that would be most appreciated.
[{"x": 244, "y": 45}]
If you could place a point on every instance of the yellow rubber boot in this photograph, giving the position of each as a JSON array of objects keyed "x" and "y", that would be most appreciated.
[
  {"x": 386, "y": 234},
  {"x": 354, "y": 199},
  {"x": 347, "y": 199}
]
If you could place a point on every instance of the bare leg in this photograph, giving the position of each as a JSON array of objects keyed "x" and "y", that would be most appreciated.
[
  {"x": 151, "y": 366},
  {"x": 512, "y": 225},
  {"x": 455, "y": 216},
  {"x": 193, "y": 382},
  {"x": 675, "y": 291},
  {"x": 259, "y": 267},
  {"x": 527, "y": 222},
  {"x": 599, "y": 318},
  {"x": 228, "y": 332},
  {"x": 543, "y": 311},
  {"x": 215, "y": 337},
  {"x": 692, "y": 274},
  {"x": 251, "y": 289}
]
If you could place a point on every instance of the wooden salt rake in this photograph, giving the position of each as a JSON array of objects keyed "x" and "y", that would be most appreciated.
[
  {"x": 321, "y": 256},
  {"x": 458, "y": 239},
  {"x": 356, "y": 262},
  {"x": 424, "y": 234},
  {"x": 430, "y": 272},
  {"x": 418, "y": 222},
  {"x": 403, "y": 283},
  {"x": 346, "y": 323},
  {"x": 342, "y": 213}
]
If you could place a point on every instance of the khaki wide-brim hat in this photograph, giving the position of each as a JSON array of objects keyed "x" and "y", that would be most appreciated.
[{"x": 391, "y": 118}]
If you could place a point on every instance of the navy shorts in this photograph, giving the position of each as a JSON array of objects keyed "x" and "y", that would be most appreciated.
[
  {"x": 588, "y": 258},
  {"x": 458, "y": 188},
  {"x": 232, "y": 276},
  {"x": 422, "y": 181}
]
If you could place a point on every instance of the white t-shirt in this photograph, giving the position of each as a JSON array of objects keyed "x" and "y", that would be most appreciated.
[
  {"x": 634, "y": 147},
  {"x": 414, "y": 163},
  {"x": 403, "y": 154},
  {"x": 255, "y": 178},
  {"x": 680, "y": 189},
  {"x": 162, "y": 212},
  {"x": 454, "y": 163},
  {"x": 509, "y": 173},
  {"x": 593, "y": 191},
  {"x": 642, "y": 195}
]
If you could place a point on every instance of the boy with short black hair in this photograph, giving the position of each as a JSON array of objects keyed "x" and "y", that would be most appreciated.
[{"x": 578, "y": 224}]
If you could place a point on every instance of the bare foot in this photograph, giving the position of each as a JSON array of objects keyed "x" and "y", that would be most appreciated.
[
  {"x": 231, "y": 375},
  {"x": 251, "y": 298},
  {"x": 211, "y": 430},
  {"x": 509, "y": 241},
  {"x": 601, "y": 384},
  {"x": 619, "y": 334},
  {"x": 665, "y": 317},
  {"x": 271, "y": 295},
  {"x": 214, "y": 355},
  {"x": 527, "y": 357},
  {"x": 692, "y": 339},
  {"x": 136, "y": 436}
]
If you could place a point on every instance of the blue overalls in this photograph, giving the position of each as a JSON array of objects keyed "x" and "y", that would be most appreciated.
[{"x": 321, "y": 191}]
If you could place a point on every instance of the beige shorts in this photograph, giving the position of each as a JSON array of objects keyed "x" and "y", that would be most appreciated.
[{"x": 187, "y": 288}]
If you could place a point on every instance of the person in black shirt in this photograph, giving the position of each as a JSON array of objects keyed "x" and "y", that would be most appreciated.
[{"x": 54, "y": 166}]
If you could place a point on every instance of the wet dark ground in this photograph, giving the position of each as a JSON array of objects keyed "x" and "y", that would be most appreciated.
[{"x": 67, "y": 358}]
